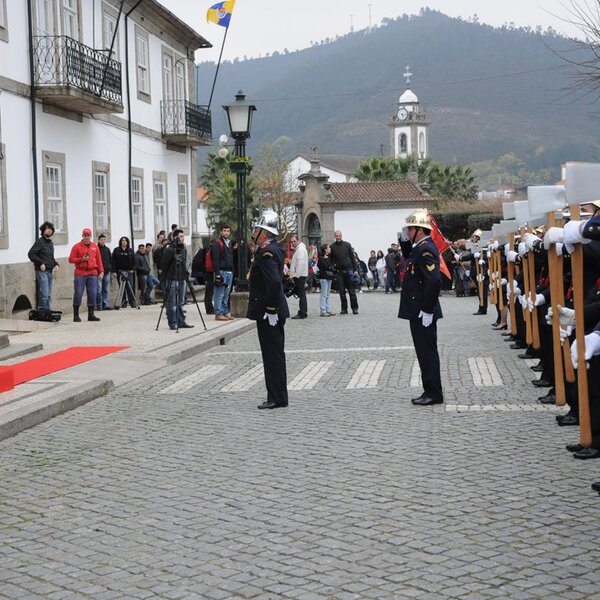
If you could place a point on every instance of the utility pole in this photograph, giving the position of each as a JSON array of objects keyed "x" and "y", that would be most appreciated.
[{"x": 351, "y": 24}]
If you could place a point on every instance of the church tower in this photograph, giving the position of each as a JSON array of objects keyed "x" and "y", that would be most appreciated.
[{"x": 409, "y": 126}]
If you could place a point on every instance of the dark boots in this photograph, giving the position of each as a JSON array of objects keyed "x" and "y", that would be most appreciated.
[
  {"x": 91, "y": 315},
  {"x": 76, "y": 318}
]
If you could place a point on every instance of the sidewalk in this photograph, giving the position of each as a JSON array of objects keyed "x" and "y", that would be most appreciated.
[{"x": 148, "y": 350}]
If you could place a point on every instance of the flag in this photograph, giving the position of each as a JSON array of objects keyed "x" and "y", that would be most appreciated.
[
  {"x": 442, "y": 244},
  {"x": 220, "y": 13}
]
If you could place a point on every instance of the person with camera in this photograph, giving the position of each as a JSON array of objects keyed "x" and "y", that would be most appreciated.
[
  {"x": 268, "y": 307},
  {"x": 123, "y": 265},
  {"x": 88, "y": 269},
  {"x": 326, "y": 277},
  {"x": 41, "y": 254},
  {"x": 175, "y": 275},
  {"x": 342, "y": 256},
  {"x": 221, "y": 253}
]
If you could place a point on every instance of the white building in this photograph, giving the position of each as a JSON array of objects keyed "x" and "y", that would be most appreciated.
[
  {"x": 103, "y": 137},
  {"x": 339, "y": 168}
]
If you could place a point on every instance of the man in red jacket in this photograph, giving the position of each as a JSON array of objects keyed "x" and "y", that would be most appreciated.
[{"x": 86, "y": 257}]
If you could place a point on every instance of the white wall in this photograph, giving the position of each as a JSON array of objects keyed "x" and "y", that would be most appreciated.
[{"x": 370, "y": 230}]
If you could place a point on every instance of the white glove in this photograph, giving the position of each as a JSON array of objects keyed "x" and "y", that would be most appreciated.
[
  {"x": 494, "y": 246},
  {"x": 529, "y": 303},
  {"x": 477, "y": 255},
  {"x": 522, "y": 249},
  {"x": 523, "y": 301},
  {"x": 529, "y": 239},
  {"x": 592, "y": 348},
  {"x": 503, "y": 281},
  {"x": 488, "y": 254},
  {"x": 404, "y": 235},
  {"x": 565, "y": 333},
  {"x": 490, "y": 287},
  {"x": 517, "y": 291},
  {"x": 273, "y": 319},
  {"x": 554, "y": 235},
  {"x": 426, "y": 318},
  {"x": 566, "y": 316},
  {"x": 482, "y": 262},
  {"x": 572, "y": 235},
  {"x": 540, "y": 300},
  {"x": 559, "y": 248},
  {"x": 511, "y": 256}
]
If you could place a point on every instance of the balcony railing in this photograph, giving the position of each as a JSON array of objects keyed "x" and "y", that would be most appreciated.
[
  {"x": 62, "y": 62},
  {"x": 186, "y": 123}
]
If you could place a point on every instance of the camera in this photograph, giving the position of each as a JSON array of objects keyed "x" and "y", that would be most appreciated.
[{"x": 289, "y": 288}]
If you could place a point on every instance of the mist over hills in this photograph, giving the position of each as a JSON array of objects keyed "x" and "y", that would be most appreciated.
[{"x": 487, "y": 92}]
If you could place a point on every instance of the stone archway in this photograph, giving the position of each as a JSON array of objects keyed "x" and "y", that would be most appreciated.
[{"x": 313, "y": 229}]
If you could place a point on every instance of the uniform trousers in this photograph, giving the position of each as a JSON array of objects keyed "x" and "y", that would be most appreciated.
[
  {"x": 272, "y": 344},
  {"x": 425, "y": 341}
]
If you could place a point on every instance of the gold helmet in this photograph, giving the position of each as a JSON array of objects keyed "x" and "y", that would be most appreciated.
[
  {"x": 477, "y": 232},
  {"x": 419, "y": 218}
]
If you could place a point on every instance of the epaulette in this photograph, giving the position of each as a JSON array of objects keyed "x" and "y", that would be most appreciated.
[
  {"x": 269, "y": 254},
  {"x": 427, "y": 254}
]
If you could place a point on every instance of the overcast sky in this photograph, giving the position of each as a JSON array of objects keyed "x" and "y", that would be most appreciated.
[{"x": 261, "y": 26}]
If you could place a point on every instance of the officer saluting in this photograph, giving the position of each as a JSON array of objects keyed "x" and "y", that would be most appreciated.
[
  {"x": 268, "y": 307},
  {"x": 419, "y": 301}
]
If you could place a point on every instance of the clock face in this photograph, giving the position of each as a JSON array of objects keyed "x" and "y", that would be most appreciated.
[{"x": 402, "y": 114}]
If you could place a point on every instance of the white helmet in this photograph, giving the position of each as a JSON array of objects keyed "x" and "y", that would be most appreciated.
[{"x": 269, "y": 221}]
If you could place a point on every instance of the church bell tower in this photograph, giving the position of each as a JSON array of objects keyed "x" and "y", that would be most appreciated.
[{"x": 409, "y": 126}]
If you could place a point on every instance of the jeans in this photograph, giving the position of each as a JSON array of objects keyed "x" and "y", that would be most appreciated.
[
  {"x": 375, "y": 274},
  {"x": 389, "y": 281},
  {"x": 44, "y": 285},
  {"x": 88, "y": 283},
  {"x": 102, "y": 293},
  {"x": 324, "y": 297},
  {"x": 221, "y": 297},
  {"x": 147, "y": 283},
  {"x": 175, "y": 300}
]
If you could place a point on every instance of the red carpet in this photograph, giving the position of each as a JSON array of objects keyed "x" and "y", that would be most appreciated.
[{"x": 38, "y": 367}]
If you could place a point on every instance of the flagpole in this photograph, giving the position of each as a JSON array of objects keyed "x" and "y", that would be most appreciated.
[{"x": 217, "y": 71}]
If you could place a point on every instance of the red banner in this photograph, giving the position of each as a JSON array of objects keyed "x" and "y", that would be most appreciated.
[{"x": 442, "y": 244}]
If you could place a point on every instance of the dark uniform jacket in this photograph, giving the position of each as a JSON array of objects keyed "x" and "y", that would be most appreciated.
[
  {"x": 266, "y": 283},
  {"x": 422, "y": 281},
  {"x": 42, "y": 253},
  {"x": 592, "y": 228}
]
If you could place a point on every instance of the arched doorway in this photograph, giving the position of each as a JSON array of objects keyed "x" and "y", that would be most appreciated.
[{"x": 313, "y": 230}]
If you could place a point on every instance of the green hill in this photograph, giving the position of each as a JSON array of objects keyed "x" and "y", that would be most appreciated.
[{"x": 487, "y": 92}]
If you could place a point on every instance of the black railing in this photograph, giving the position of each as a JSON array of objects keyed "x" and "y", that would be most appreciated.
[
  {"x": 180, "y": 117},
  {"x": 63, "y": 61}
]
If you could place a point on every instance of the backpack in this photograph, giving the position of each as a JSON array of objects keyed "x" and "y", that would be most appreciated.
[{"x": 208, "y": 261}]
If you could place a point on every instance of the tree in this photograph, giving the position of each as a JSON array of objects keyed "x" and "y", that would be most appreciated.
[
  {"x": 272, "y": 179},
  {"x": 378, "y": 169}
]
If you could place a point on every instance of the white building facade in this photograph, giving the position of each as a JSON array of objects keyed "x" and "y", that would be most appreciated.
[{"x": 98, "y": 128}]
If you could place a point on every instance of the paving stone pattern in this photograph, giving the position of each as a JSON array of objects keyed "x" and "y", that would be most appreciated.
[{"x": 347, "y": 494}]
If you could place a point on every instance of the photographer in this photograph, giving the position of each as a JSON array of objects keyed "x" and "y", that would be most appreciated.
[
  {"x": 175, "y": 274},
  {"x": 123, "y": 264}
]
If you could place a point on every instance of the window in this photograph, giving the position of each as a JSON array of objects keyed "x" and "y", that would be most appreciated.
[
  {"x": 179, "y": 81},
  {"x": 70, "y": 19},
  {"x": 182, "y": 199},
  {"x": 403, "y": 143},
  {"x": 137, "y": 201},
  {"x": 109, "y": 26},
  {"x": 45, "y": 17},
  {"x": 3, "y": 213},
  {"x": 55, "y": 202},
  {"x": 101, "y": 196},
  {"x": 142, "y": 61},
  {"x": 421, "y": 144},
  {"x": 3, "y": 22},
  {"x": 167, "y": 77},
  {"x": 160, "y": 201}
]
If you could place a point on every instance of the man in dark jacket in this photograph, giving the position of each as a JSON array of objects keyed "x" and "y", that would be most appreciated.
[
  {"x": 268, "y": 307},
  {"x": 41, "y": 255},
  {"x": 419, "y": 301},
  {"x": 103, "y": 287},
  {"x": 221, "y": 253},
  {"x": 344, "y": 260},
  {"x": 175, "y": 275},
  {"x": 146, "y": 280}
]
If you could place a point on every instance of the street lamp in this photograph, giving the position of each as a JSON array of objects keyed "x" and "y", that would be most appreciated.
[{"x": 239, "y": 116}]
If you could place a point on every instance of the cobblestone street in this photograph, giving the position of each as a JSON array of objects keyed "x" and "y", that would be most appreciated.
[{"x": 176, "y": 486}]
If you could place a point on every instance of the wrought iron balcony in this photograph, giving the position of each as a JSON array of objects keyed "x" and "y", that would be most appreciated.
[
  {"x": 186, "y": 124},
  {"x": 71, "y": 75}
]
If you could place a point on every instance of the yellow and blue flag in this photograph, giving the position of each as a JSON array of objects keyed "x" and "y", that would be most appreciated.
[{"x": 220, "y": 13}]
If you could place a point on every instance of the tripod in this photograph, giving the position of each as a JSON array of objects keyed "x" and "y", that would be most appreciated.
[
  {"x": 124, "y": 285},
  {"x": 176, "y": 278}
]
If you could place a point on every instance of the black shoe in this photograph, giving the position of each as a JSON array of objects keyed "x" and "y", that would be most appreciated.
[
  {"x": 526, "y": 356},
  {"x": 107, "y": 308},
  {"x": 574, "y": 447},
  {"x": 299, "y": 317},
  {"x": 173, "y": 327},
  {"x": 480, "y": 313},
  {"x": 426, "y": 401},
  {"x": 511, "y": 338},
  {"x": 501, "y": 328},
  {"x": 542, "y": 383},
  {"x": 586, "y": 453},
  {"x": 355, "y": 311},
  {"x": 413, "y": 400},
  {"x": 507, "y": 335},
  {"x": 537, "y": 368},
  {"x": 518, "y": 346},
  {"x": 547, "y": 399},
  {"x": 185, "y": 326},
  {"x": 270, "y": 405},
  {"x": 343, "y": 312},
  {"x": 596, "y": 486},
  {"x": 495, "y": 324},
  {"x": 568, "y": 420}
]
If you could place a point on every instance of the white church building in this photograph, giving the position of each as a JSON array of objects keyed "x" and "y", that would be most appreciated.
[{"x": 98, "y": 128}]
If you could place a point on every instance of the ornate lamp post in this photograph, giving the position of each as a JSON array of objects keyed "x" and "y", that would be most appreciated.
[{"x": 239, "y": 115}]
